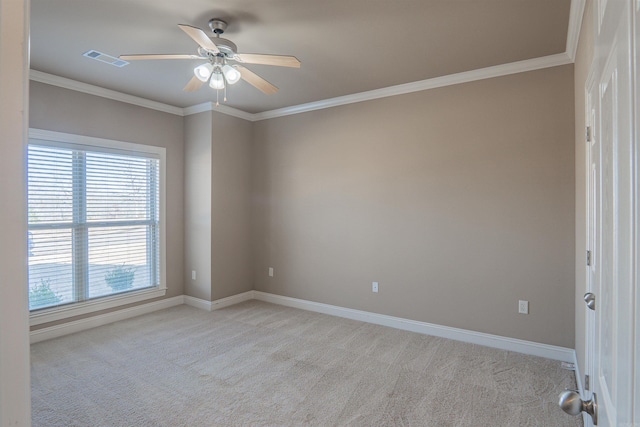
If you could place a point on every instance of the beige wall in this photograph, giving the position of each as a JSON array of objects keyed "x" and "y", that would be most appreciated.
[
  {"x": 459, "y": 201},
  {"x": 197, "y": 202},
  {"x": 230, "y": 206},
  {"x": 218, "y": 243},
  {"x": 584, "y": 56},
  {"x": 62, "y": 110},
  {"x": 15, "y": 390}
]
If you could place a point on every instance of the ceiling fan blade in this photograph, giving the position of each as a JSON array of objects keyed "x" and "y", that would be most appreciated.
[
  {"x": 193, "y": 85},
  {"x": 199, "y": 37},
  {"x": 256, "y": 81},
  {"x": 277, "y": 60},
  {"x": 159, "y": 56}
]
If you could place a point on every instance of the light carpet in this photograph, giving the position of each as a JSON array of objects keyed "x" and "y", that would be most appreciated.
[{"x": 259, "y": 364}]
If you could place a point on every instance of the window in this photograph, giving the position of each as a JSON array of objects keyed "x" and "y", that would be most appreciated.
[{"x": 95, "y": 224}]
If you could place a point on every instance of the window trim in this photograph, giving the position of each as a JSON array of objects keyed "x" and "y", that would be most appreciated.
[{"x": 107, "y": 302}]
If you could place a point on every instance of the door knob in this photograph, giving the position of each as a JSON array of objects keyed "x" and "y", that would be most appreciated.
[
  {"x": 571, "y": 403},
  {"x": 590, "y": 299}
]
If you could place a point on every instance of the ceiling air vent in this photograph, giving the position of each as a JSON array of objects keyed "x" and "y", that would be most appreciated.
[{"x": 103, "y": 57}]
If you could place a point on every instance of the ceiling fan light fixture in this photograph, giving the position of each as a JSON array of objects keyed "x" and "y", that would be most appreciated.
[
  {"x": 217, "y": 80},
  {"x": 203, "y": 72},
  {"x": 217, "y": 51},
  {"x": 231, "y": 74}
]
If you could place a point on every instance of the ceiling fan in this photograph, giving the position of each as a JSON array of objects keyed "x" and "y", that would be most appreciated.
[{"x": 223, "y": 61}]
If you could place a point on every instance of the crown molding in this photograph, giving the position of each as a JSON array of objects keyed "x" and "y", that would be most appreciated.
[
  {"x": 224, "y": 109},
  {"x": 50, "y": 79},
  {"x": 199, "y": 108},
  {"x": 568, "y": 57},
  {"x": 437, "y": 82},
  {"x": 575, "y": 24},
  {"x": 452, "y": 79}
]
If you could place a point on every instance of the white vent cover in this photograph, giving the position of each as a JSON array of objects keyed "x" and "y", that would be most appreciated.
[{"x": 103, "y": 57}]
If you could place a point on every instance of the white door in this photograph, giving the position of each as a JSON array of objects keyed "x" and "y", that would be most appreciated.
[{"x": 613, "y": 194}]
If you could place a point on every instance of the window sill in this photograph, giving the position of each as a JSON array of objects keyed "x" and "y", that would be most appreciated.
[{"x": 60, "y": 313}]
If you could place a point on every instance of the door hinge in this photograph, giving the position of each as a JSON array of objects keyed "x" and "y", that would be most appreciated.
[
  {"x": 586, "y": 382},
  {"x": 588, "y": 134},
  {"x": 588, "y": 258}
]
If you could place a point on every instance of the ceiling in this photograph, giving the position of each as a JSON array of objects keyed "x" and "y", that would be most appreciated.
[{"x": 345, "y": 46}]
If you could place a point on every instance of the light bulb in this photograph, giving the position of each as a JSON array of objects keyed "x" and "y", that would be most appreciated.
[
  {"x": 203, "y": 72},
  {"x": 217, "y": 80},
  {"x": 231, "y": 74}
]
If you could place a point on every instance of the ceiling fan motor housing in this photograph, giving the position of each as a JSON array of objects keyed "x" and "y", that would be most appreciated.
[{"x": 227, "y": 47}]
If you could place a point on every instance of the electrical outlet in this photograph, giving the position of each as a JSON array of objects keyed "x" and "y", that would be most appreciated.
[
  {"x": 193, "y": 275},
  {"x": 270, "y": 271},
  {"x": 523, "y": 307},
  {"x": 374, "y": 286}
]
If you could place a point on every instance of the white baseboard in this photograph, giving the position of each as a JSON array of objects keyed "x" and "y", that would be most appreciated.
[
  {"x": 489, "y": 340},
  {"x": 219, "y": 303},
  {"x": 202, "y": 304},
  {"x": 102, "y": 319},
  {"x": 127, "y": 313}
]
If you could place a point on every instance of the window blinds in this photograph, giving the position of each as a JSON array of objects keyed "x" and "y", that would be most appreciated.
[{"x": 93, "y": 223}]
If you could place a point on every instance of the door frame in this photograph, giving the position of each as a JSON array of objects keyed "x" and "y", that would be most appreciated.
[
  {"x": 635, "y": 134},
  {"x": 589, "y": 315}
]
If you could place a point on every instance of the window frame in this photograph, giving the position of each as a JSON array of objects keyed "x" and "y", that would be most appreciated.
[{"x": 65, "y": 140}]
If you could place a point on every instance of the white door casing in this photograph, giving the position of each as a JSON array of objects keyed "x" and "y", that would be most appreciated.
[{"x": 636, "y": 220}]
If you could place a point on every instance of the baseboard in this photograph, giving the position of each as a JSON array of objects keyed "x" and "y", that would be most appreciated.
[
  {"x": 489, "y": 340},
  {"x": 102, "y": 319},
  {"x": 202, "y": 304},
  {"x": 219, "y": 303}
]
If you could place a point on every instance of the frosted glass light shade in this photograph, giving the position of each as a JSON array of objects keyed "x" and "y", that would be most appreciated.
[
  {"x": 231, "y": 74},
  {"x": 217, "y": 80},
  {"x": 203, "y": 72}
]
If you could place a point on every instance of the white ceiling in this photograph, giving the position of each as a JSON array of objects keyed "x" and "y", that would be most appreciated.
[{"x": 345, "y": 46}]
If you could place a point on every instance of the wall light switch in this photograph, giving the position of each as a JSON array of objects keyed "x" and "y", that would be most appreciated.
[
  {"x": 193, "y": 275},
  {"x": 270, "y": 271},
  {"x": 374, "y": 286}
]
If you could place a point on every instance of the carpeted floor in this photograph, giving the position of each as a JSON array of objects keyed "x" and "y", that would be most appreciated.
[{"x": 258, "y": 364}]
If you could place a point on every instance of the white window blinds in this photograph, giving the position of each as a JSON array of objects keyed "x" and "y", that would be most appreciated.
[{"x": 93, "y": 223}]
